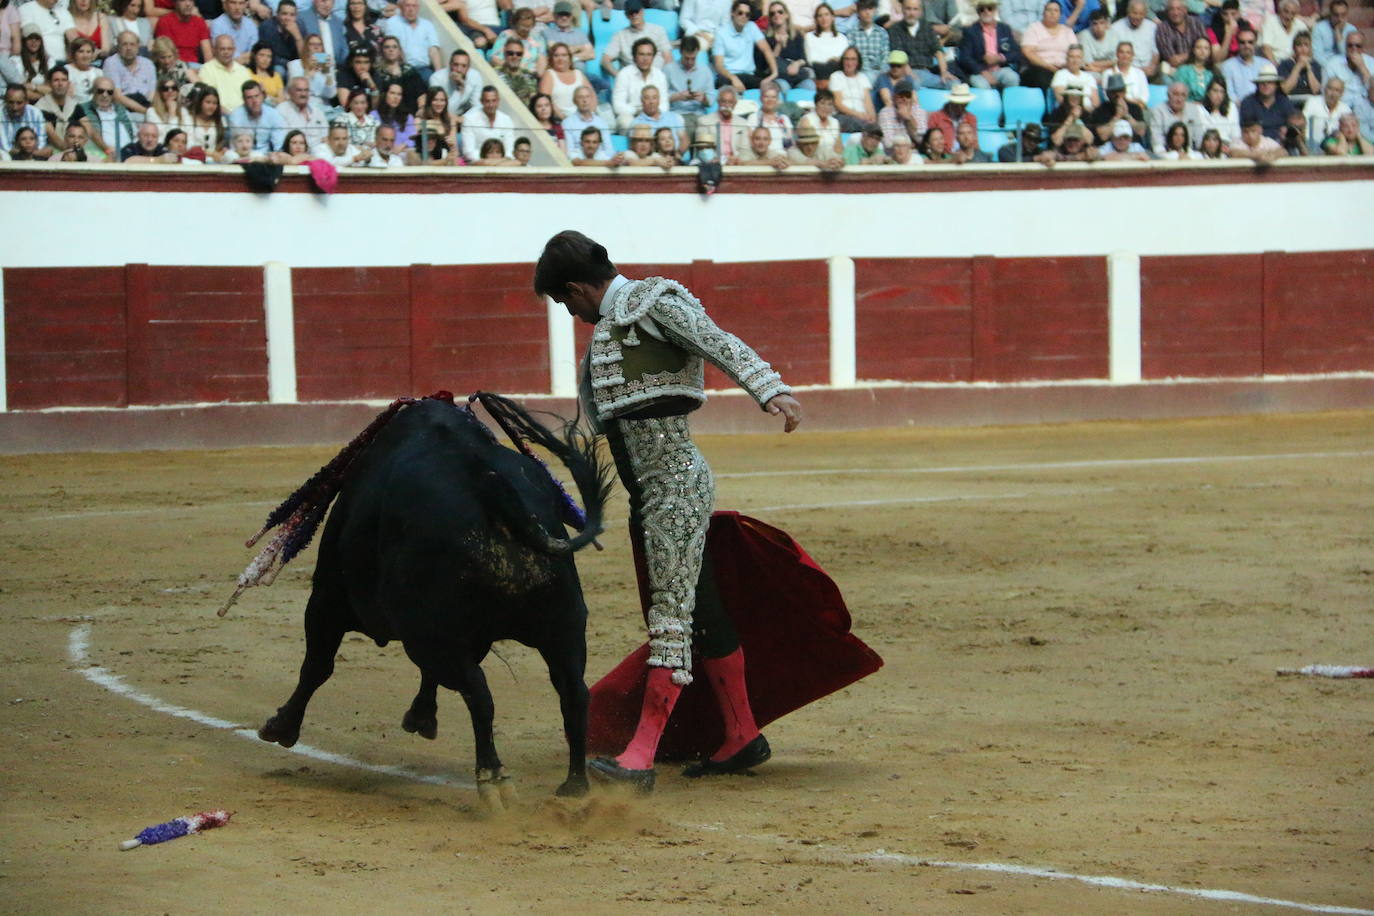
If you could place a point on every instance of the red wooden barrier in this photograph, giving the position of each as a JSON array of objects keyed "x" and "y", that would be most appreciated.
[
  {"x": 981, "y": 319},
  {"x": 352, "y": 332},
  {"x": 195, "y": 334},
  {"x": 1318, "y": 312},
  {"x": 914, "y": 319},
  {"x": 479, "y": 326},
  {"x": 64, "y": 336},
  {"x": 1201, "y": 316}
]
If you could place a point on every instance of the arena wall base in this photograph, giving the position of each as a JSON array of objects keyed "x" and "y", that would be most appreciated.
[{"x": 829, "y": 409}]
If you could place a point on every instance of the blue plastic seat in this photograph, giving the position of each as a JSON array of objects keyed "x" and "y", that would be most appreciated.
[
  {"x": 593, "y": 66},
  {"x": 931, "y": 99},
  {"x": 602, "y": 30},
  {"x": 1158, "y": 95},
  {"x": 752, "y": 95},
  {"x": 986, "y": 107},
  {"x": 990, "y": 140},
  {"x": 1022, "y": 105},
  {"x": 798, "y": 96},
  {"x": 620, "y": 143},
  {"x": 665, "y": 18}
]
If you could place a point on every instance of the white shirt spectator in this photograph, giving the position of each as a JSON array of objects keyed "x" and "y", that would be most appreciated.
[
  {"x": 829, "y": 131},
  {"x": 1228, "y": 125},
  {"x": 477, "y": 130},
  {"x": 390, "y": 162},
  {"x": 620, "y": 48},
  {"x": 416, "y": 39},
  {"x": 697, "y": 16},
  {"x": 1160, "y": 119},
  {"x": 778, "y": 124},
  {"x": 486, "y": 12},
  {"x": 823, "y": 47},
  {"x": 82, "y": 82},
  {"x": 312, "y": 122},
  {"x": 1274, "y": 36},
  {"x": 1142, "y": 39},
  {"x": 342, "y": 160},
  {"x": 53, "y": 23},
  {"x": 629, "y": 85},
  {"x": 1137, "y": 87},
  {"x": 460, "y": 99},
  {"x": 851, "y": 89},
  {"x": 1085, "y": 80},
  {"x": 1322, "y": 122}
]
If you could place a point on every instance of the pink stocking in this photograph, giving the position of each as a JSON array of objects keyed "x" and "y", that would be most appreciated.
[
  {"x": 727, "y": 682},
  {"x": 660, "y": 696}
]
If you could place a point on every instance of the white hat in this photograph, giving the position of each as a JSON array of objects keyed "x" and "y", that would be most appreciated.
[
  {"x": 1122, "y": 129},
  {"x": 1267, "y": 74}
]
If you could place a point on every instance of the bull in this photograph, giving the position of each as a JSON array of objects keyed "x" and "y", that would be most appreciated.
[{"x": 448, "y": 541}]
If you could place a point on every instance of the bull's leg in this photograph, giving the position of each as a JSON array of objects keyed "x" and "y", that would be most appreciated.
[
  {"x": 566, "y": 673},
  {"x": 493, "y": 784},
  {"x": 324, "y": 631},
  {"x": 422, "y": 716}
]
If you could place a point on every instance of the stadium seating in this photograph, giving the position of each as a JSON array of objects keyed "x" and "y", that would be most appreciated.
[
  {"x": 803, "y": 97},
  {"x": 665, "y": 18},
  {"x": 1022, "y": 105},
  {"x": 1158, "y": 95},
  {"x": 986, "y": 107},
  {"x": 620, "y": 143},
  {"x": 990, "y": 140},
  {"x": 602, "y": 30},
  {"x": 931, "y": 99},
  {"x": 752, "y": 95}
]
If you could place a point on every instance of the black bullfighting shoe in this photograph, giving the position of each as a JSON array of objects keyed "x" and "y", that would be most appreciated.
[
  {"x": 751, "y": 755},
  {"x": 607, "y": 770}
]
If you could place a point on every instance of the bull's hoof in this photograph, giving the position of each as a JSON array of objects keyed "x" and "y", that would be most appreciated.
[
  {"x": 495, "y": 789},
  {"x": 573, "y": 787},
  {"x": 426, "y": 726},
  {"x": 275, "y": 731}
]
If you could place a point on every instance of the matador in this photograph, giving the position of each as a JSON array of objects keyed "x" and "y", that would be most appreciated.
[{"x": 642, "y": 375}]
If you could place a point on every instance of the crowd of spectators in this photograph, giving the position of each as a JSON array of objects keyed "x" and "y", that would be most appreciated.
[{"x": 361, "y": 83}]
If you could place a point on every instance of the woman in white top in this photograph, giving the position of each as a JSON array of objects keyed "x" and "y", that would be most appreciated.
[
  {"x": 320, "y": 74},
  {"x": 1177, "y": 145},
  {"x": 167, "y": 112},
  {"x": 561, "y": 80},
  {"x": 853, "y": 93},
  {"x": 82, "y": 71},
  {"x": 1217, "y": 112},
  {"x": 824, "y": 44},
  {"x": 362, "y": 124},
  {"x": 207, "y": 120},
  {"x": 128, "y": 17}
]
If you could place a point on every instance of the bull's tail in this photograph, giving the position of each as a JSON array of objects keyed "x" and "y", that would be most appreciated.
[{"x": 580, "y": 453}]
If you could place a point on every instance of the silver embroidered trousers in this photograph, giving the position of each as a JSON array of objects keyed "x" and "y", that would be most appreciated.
[{"x": 676, "y": 495}]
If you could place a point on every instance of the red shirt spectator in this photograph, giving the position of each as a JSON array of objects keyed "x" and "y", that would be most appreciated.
[
  {"x": 953, "y": 113},
  {"x": 187, "y": 31}
]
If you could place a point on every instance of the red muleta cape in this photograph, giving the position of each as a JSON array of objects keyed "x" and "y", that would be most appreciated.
[{"x": 793, "y": 626}]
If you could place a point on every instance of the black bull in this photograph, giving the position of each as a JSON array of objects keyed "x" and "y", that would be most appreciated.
[{"x": 448, "y": 541}]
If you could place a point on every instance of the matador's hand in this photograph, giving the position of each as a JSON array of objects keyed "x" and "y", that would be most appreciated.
[{"x": 786, "y": 405}]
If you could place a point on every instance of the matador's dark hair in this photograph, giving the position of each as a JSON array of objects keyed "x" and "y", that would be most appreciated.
[{"x": 571, "y": 257}]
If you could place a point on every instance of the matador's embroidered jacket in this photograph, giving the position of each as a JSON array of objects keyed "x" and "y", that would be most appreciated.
[{"x": 647, "y": 355}]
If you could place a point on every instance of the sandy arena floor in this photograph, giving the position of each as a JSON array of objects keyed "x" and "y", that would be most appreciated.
[{"x": 1080, "y": 638}]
